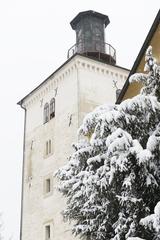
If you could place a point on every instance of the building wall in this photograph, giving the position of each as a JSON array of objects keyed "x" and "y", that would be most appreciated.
[
  {"x": 96, "y": 84},
  {"x": 78, "y": 87},
  {"x": 134, "y": 88}
]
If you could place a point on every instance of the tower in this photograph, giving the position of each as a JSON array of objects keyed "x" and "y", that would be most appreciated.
[
  {"x": 90, "y": 37},
  {"x": 53, "y": 112}
]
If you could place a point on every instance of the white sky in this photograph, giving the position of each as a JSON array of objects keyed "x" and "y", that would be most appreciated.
[{"x": 34, "y": 38}]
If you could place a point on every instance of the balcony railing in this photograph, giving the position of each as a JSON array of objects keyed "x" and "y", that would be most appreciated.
[{"x": 104, "y": 51}]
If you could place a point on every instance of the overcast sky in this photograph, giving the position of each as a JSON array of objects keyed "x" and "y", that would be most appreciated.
[{"x": 34, "y": 38}]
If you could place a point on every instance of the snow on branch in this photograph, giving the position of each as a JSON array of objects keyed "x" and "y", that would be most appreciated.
[{"x": 112, "y": 179}]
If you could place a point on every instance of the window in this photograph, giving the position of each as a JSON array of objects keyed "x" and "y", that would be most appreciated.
[
  {"x": 49, "y": 111},
  {"x": 47, "y": 185},
  {"x": 47, "y": 232},
  {"x": 48, "y": 147},
  {"x": 46, "y": 113},
  {"x": 52, "y": 108},
  {"x": 118, "y": 91}
]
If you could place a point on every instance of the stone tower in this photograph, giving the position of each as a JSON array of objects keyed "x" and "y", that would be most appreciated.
[{"x": 53, "y": 112}]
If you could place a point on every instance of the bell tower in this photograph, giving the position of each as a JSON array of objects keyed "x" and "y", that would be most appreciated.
[
  {"x": 54, "y": 111},
  {"x": 90, "y": 37}
]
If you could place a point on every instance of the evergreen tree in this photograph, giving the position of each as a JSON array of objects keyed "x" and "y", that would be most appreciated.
[{"x": 112, "y": 180}]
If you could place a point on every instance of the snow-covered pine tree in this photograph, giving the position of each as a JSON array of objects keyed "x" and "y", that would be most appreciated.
[{"x": 112, "y": 180}]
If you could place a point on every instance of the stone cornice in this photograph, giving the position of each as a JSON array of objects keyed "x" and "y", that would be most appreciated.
[{"x": 77, "y": 62}]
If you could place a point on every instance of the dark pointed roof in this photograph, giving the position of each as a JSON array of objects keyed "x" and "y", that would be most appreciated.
[{"x": 140, "y": 55}]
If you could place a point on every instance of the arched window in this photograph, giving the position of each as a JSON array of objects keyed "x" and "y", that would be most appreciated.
[
  {"x": 46, "y": 113},
  {"x": 52, "y": 108}
]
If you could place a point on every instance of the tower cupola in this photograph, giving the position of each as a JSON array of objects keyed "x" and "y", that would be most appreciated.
[{"x": 90, "y": 37}]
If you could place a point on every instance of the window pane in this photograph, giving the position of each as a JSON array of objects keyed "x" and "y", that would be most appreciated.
[
  {"x": 46, "y": 113},
  {"x": 52, "y": 108},
  {"x": 49, "y": 146},
  {"x": 47, "y": 232},
  {"x": 48, "y": 185}
]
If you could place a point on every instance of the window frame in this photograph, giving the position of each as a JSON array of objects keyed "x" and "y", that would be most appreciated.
[
  {"x": 49, "y": 147},
  {"x": 48, "y": 185},
  {"x": 46, "y": 149},
  {"x": 48, "y": 229},
  {"x": 46, "y": 114},
  {"x": 47, "y": 232},
  {"x": 52, "y": 108}
]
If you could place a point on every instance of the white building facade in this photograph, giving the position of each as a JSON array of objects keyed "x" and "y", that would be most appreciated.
[{"x": 53, "y": 113}]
